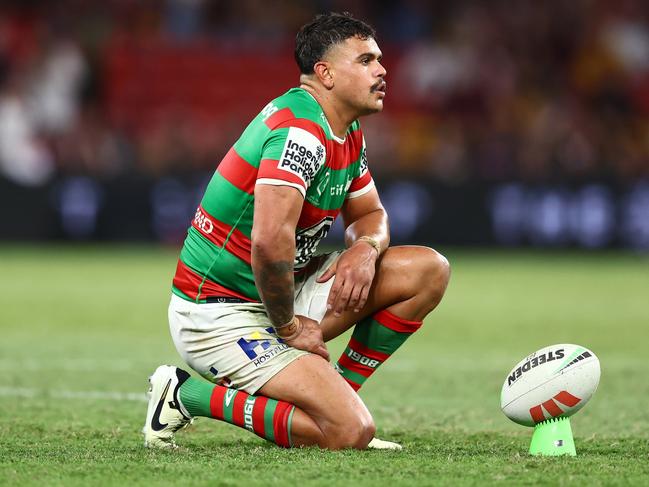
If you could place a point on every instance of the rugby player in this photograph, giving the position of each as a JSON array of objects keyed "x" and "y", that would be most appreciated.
[{"x": 252, "y": 305}]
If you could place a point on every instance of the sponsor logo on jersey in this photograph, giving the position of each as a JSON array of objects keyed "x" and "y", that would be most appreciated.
[
  {"x": 303, "y": 154},
  {"x": 533, "y": 362},
  {"x": 203, "y": 222},
  {"x": 341, "y": 188},
  {"x": 268, "y": 111},
  {"x": 323, "y": 183},
  {"x": 363, "y": 165}
]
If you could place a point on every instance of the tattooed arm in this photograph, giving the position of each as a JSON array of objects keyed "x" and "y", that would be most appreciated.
[
  {"x": 277, "y": 210},
  {"x": 274, "y": 280}
]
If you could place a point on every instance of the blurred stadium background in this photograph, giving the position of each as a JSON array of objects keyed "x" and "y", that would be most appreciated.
[{"x": 506, "y": 123}]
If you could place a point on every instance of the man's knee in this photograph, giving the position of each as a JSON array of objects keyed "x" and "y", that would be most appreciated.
[
  {"x": 315, "y": 387},
  {"x": 433, "y": 272},
  {"x": 440, "y": 270},
  {"x": 355, "y": 432}
]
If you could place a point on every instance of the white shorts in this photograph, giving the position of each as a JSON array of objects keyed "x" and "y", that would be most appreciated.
[{"x": 234, "y": 344}]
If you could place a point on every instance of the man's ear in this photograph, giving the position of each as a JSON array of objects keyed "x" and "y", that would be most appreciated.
[{"x": 324, "y": 73}]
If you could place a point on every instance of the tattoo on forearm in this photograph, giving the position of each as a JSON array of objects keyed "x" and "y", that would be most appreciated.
[{"x": 277, "y": 288}]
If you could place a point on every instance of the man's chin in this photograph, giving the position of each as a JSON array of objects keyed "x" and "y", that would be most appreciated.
[{"x": 373, "y": 108}]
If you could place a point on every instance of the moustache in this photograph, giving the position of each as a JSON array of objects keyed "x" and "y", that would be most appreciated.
[{"x": 379, "y": 86}]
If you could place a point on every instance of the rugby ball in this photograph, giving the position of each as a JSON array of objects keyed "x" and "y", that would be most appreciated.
[{"x": 556, "y": 381}]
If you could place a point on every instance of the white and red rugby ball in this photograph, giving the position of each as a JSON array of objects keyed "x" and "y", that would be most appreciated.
[{"x": 555, "y": 381}]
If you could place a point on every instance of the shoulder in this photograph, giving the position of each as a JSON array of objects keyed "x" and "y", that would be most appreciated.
[{"x": 295, "y": 108}]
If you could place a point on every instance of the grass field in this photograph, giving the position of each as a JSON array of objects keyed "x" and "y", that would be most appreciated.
[{"x": 82, "y": 327}]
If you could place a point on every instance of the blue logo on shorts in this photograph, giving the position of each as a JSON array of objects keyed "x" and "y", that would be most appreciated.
[
  {"x": 255, "y": 345},
  {"x": 249, "y": 346}
]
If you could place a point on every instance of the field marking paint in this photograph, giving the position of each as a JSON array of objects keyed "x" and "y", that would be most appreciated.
[
  {"x": 63, "y": 394},
  {"x": 76, "y": 365},
  {"x": 70, "y": 365}
]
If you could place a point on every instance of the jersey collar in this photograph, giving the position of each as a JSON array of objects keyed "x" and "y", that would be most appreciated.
[{"x": 324, "y": 118}]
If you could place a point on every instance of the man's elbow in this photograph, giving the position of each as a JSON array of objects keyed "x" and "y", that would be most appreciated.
[{"x": 272, "y": 242}]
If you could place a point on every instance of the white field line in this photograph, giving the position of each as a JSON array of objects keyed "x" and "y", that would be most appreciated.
[
  {"x": 70, "y": 365},
  {"x": 93, "y": 366},
  {"x": 29, "y": 393},
  {"x": 399, "y": 365}
]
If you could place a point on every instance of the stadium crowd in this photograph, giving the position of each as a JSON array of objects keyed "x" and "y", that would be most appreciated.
[{"x": 477, "y": 91}]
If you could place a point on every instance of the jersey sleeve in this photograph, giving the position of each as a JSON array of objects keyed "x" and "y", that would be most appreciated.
[
  {"x": 292, "y": 155},
  {"x": 363, "y": 182}
]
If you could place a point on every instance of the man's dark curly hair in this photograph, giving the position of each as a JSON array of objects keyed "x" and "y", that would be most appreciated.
[{"x": 315, "y": 38}]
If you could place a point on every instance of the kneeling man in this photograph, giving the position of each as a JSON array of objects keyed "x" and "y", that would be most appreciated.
[{"x": 252, "y": 303}]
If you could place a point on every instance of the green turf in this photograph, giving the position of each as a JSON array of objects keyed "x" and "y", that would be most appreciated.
[{"x": 83, "y": 326}]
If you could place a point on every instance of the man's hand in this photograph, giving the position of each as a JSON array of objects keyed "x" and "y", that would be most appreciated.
[
  {"x": 354, "y": 271},
  {"x": 309, "y": 337}
]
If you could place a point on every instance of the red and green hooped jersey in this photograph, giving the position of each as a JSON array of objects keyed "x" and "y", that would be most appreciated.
[{"x": 289, "y": 143}]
